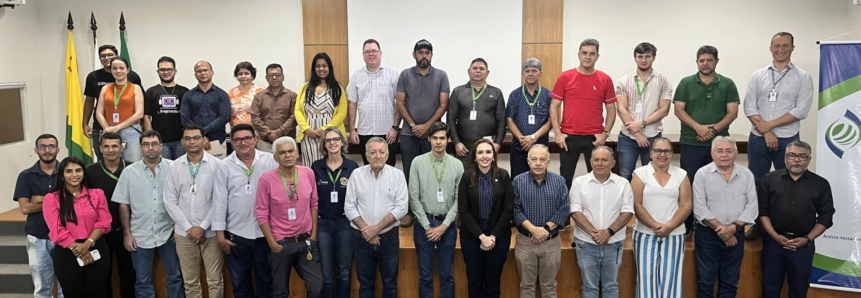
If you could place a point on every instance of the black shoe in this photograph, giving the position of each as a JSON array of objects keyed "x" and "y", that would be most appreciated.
[{"x": 754, "y": 233}]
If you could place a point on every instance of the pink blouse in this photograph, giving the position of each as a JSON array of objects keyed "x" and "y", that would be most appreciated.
[{"x": 90, "y": 217}]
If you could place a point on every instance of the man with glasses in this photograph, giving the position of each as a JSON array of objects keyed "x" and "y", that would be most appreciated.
[
  {"x": 272, "y": 110},
  {"x": 208, "y": 106},
  {"x": 706, "y": 103},
  {"x": 30, "y": 190},
  {"x": 162, "y": 106},
  {"x": 233, "y": 221},
  {"x": 93, "y": 86},
  {"x": 724, "y": 203},
  {"x": 188, "y": 193},
  {"x": 147, "y": 227},
  {"x": 372, "y": 107},
  {"x": 795, "y": 208}
]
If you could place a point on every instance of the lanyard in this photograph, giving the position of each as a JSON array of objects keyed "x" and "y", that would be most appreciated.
[
  {"x": 640, "y": 92},
  {"x": 474, "y": 97},
  {"x": 117, "y": 96},
  {"x": 193, "y": 170},
  {"x": 109, "y": 173},
  {"x": 249, "y": 173},
  {"x": 290, "y": 194},
  {"x": 438, "y": 175},
  {"x": 773, "y": 83},
  {"x": 534, "y": 100},
  {"x": 334, "y": 179}
]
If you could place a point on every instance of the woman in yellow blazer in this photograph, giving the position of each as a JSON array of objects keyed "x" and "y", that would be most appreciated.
[{"x": 322, "y": 103}]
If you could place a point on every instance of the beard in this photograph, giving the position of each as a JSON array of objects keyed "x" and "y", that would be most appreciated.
[
  {"x": 424, "y": 63},
  {"x": 796, "y": 169},
  {"x": 47, "y": 161},
  {"x": 168, "y": 81},
  {"x": 644, "y": 69}
]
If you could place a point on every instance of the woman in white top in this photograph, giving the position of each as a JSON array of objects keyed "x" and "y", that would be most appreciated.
[{"x": 662, "y": 202}]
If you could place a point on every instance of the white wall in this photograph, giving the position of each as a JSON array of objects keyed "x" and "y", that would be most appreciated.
[{"x": 853, "y": 16}]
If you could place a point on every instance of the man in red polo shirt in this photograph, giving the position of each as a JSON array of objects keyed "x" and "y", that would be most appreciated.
[{"x": 583, "y": 90}]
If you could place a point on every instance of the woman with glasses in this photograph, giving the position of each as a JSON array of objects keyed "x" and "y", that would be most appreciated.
[
  {"x": 334, "y": 231},
  {"x": 486, "y": 207},
  {"x": 241, "y": 96},
  {"x": 123, "y": 110},
  {"x": 322, "y": 103},
  {"x": 662, "y": 202},
  {"x": 77, "y": 217}
]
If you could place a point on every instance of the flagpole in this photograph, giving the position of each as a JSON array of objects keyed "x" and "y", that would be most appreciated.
[
  {"x": 124, "y": 49},
  {"x": 77, "y": 143},
  {"x": 96, "y": 63}
]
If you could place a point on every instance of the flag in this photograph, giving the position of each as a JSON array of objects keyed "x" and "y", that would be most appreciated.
[
  {"x": 77, "y": 143},
  {"x": 124, "y": 49}
]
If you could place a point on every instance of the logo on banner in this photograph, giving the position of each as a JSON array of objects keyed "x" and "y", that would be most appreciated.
[{"x": 843, "y": 134}]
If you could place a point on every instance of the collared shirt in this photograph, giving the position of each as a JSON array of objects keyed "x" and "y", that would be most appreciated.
[
  {"x": 656, "y": 88},
  {"x": 373, "y": 198},
  {"x": 715, "y": 198},
  {"x": 424, "y": 187},
  {"x": 795, "y": 206},
  {"x": 704, "y": 110},
  {"x": 518, "y": 110},
  {"x": 541, "y": 203},
  {"x": 374, "y": 95},
  {"x": 233, "y": 207},
  {"x": 274, "y": 113},
  {"x": 485, "y": 197},
  {"x": 99, "y": 179},
  {"x": 422, "y": 93},
  {"x": 583, "y": 99},
  {"x": 35, "y": 182},
  {"x": 325, "y": 186},
  {"x": 150, "y": 224},
  {"x": 189, "y": 209},
  {"x": 210, "y": 109},
  {"x": 794, "y": 96},
  {"x": 490, "y": 115},
  {"x": 91, "y": 210},
  {"x": 273, "y": 203},
  {"x": 601, "y": 203}
]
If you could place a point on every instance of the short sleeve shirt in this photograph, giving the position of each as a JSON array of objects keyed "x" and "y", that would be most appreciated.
[
  {"x": 98, "y": 79},
  {"x": 583, "y": 98},
  {"x": 706, "y": 104},
  {"x": 519, "y": 110},
  {"x": 163, "y": 104},
  {"x": 35, "y": 182},
  {"x": 422, "y": 93}
]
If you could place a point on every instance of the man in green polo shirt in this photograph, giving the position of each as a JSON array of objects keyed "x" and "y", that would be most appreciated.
[{"x": 706, "y": 103}]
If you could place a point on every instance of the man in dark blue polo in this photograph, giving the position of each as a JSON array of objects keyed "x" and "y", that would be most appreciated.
[{"x": 208, "y": 106}]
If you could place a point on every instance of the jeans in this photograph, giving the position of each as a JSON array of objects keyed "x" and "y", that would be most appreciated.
[
  {"x": 599, "y": 266},
  {"x": 412, "y": 146},
  {"x": 172, "y": 150},
  {"x": 715, "y": 259},
  {"x": 484, "y": 268},
  {"x": 425, "y": 253},
  {"x": 251, "y": 253},
  {"x": 364, "y": 140},
  {"x": 779, "y": 263},
  {"x": 40, "y": 252},
  {"x": 336, "y": 248},
  {"x": 691, "y": 160},
  {"x": 294, "y": 255},
  {"x": 760, "y": 158},
  {"x": 368, "y": 257},
  {"x": 131, "y": 137},
  {"x": 142, "y": 259},
  {"x": 629, "y": 151},
  {"x": 568, "y": 159}
]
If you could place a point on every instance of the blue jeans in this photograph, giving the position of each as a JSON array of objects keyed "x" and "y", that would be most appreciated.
[
  {"x": 251, "y": 252},
  {"x": 40, "y": 252},
  {"x": 425, "y": 254},
  {"x": 368, "y": 256},
  {"x": 629, "y": 151},
  {"x": 131, "y": 136},
  {"x": 172, "y": 150},
  {"x": 715, "y": 259},
  {"x": 142, "y": 259},
  {"x": 599, "y": 266},
  {"x": 760, "y": 158},
  {"x": 412, "y": 146},
  {"x": 691, "y": 160},
  {"x": 336, "y": 249}
]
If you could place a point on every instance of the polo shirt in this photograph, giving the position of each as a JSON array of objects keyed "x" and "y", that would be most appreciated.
[
  {"x": 583, "y": 98},
  {"x": 795, "y": 95},
  {"x": 693, "y": 93},
  {"x": 34, "y": 182},
  {"x": 518, "y": 111},
  {"x": 325, "y": 186},
  {"x": 423, "y": 187},
  {"x": 422, "y": 93},
  {"x": 98, "y": 177},
  {"x": 489, "y": 119},
  {"x": 210, "y": 109},
  {"x": 149, "y": 222}
]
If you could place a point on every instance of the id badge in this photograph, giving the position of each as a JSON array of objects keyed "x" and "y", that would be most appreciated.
[
  {"x": 439, "y": 197},
  {"x": 333, "y": 197},
  {"x": 193, "y": 188},
  {"x": 247, "y": 189},
  {"x": 531, "y": 119},
  {"x": 473, "y": 115},
  {"x": 772, "y": 96},
  {"x": 291, "y": 214},
  {"x": 116, "y": 117},
  {"x": 639, "y": 108},
  {"x": 489, "y": 138},
  {"x": 168, "y": 101}
]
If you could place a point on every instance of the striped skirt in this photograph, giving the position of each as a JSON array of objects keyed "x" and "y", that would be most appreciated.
[{"x": 659, "y": 265}]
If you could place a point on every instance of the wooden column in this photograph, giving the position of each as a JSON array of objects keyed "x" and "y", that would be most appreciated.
[{"x": 542, "y": 37}]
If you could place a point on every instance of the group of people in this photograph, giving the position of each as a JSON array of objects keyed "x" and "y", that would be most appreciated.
[{"x": 262, "y": 211}]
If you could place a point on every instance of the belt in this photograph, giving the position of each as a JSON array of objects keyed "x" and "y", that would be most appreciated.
[
  {"x": 383, "y": 235},
  {"x": 791, "y": 235},
  {"x": 438, "y": 217},
  {"x": 299, "y": 238}
]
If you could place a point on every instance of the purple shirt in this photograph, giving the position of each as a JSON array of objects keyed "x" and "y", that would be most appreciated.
[{"x": 272, "y": 203}]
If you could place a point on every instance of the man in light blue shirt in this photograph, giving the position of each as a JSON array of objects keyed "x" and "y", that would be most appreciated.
[{"x": 147, "y": 227}]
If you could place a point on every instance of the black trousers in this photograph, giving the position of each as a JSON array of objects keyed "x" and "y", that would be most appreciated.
[
  {"x": 392, "y": 147},
  {"x": 568, "y": 159},
  {"x": 484, "y": 268},
  {"x": 125, "y": 267},
  {"x": 92, "y": 281}
]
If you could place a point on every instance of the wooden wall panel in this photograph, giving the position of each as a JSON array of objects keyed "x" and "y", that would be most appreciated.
[
  {"x": 542, "y": 21},
  {"x": 551, "y": 61},
  {"x": 340, "y": 62},
  {"x": 324, "y": 22}
]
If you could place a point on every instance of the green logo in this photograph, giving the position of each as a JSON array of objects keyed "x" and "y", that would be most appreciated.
[{"x": 843, "y": 134}]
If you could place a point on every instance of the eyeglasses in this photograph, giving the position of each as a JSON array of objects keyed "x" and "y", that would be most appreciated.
[
  {"x": 274, "y": 75},
  {"x": 243, "y": 140},
  {"x": 333, "y": 140},
  {"x": 46, "y": 147},
  {"x": 166, "y": 70},
  {"x": 370, "y": 53},
  {"x": 662, "y": 151},
  {"x": 793, "y": 156},
  {"x": 153, "y": 144},
  {"x": 194, "y": 138},
  {"x": 107, "y": 56}
]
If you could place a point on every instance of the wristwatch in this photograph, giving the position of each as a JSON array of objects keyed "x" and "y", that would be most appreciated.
[
  {"x": 739, "y": 228},
  {"x": 610, "y": 230},
  {"x": 644, "y": 123},
  {"x": 546, "y": 227},
  {"x": 713, "y": 129},
  {"x": 532, "y": 136},
  {"x": 412, "y": 124},
  {"x": 398, "y": 128},
  {"x": 607, "y": 132}
]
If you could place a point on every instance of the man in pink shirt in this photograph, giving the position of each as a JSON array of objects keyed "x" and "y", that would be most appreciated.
[{"x": 286, "y": 210}]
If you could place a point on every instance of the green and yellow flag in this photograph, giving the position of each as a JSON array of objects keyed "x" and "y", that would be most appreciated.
[{"x": 76, "y": 141}]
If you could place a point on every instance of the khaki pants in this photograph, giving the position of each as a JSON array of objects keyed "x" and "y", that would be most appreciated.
[
  {"x": 540, "y": 261},
  {"x": 264, "y": 146},
  {"x": 189, "y": 261}
]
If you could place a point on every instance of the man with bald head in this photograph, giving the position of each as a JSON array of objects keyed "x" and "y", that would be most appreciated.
[
  {"x": 602, "y": 203},
  {"x": 208, "y": 106}
]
